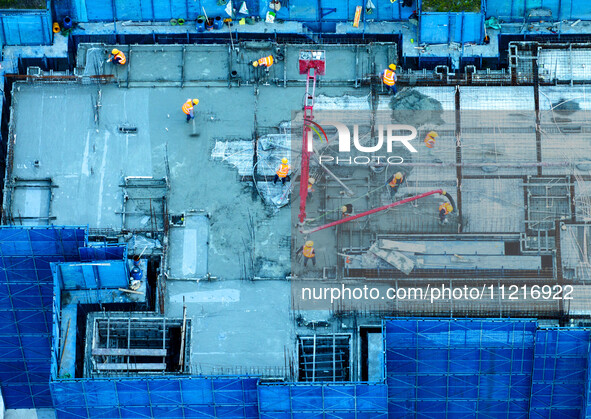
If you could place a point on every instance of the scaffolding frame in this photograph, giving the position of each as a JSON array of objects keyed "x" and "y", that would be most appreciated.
[{"x": 133, "y": 344}]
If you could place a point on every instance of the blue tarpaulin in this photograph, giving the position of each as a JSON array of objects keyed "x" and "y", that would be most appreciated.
[
  {"x": 25, "y": 27},
  {"x": 517, "y": 10},
  {"x": 299, "y": 10},
  {"x": 443, "y": 28}
]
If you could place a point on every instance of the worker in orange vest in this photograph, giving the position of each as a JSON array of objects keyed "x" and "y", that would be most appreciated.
[
  {"x": 389, "y": 78},
  {"x": 117, "y": 57},
  {"x": 430, "y": 139},
  {"x": 188, "y": 108},
  {"x": 395, "y": 182},
  {"x": 264, "y": 62},
  {"x": 283, "y": 172},
  {"x": 444, "y": 209},
  {"x": 308, "y": 251}
]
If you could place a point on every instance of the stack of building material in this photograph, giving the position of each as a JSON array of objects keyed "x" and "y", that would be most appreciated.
[{"x": 390, "y": 251}]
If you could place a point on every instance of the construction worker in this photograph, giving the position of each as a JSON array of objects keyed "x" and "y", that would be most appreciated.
[
  {"x": 264, "y": 62},
  {"x": 347, "y": 210},
  {"x": 444, "y": 209},
  {"x": 311, "y": 182},
  {"x": 389, "y": 78},
  {"x": 117, "y": 57},
  {"x": 188, "y": 108},
  {"x": 308, "y": 251},
  {"x": 395, "y": 182},
  {"x": 430, "y": 139},
  {"x": 283, "y": 172}
]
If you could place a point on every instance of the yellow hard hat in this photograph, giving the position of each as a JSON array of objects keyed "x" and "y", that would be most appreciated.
[
  {"x": 344, "y": 208},
  {"x": 255, "y": 63},
  {"x": 392, "y": 67},
  {"x": 115, "y": 51},
  {"x": 196, "y": 101},
  {"x": 398, "y": 175},
  {"x": 433, "y": 134},
  {"x": 311, "y": 181},
  {"x": 284, "y": 160},
  {"x": 309, "y": 243}
]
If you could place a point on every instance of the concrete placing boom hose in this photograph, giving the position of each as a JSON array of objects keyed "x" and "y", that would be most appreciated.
[{"x": 385, "y": 207}]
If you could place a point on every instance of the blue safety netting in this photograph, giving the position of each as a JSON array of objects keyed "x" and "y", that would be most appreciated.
[
  {"x": 157, "y": 397},
  {"x": 26, "y": 309},
  {"x": 356, "y": 400},
  {"x": 559, "y": 382},
  {"x": 493, "y": 368}
]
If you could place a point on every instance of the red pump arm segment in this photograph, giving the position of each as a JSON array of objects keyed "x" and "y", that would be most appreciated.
[
  {"x": 385, "y": 207},
  {"x": 308, "y": 116}
]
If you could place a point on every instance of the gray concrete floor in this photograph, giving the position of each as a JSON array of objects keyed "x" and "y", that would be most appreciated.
[{"x": 238, "y": 327}]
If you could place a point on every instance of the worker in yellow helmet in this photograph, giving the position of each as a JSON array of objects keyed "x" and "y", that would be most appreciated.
[
  {"x": 311, "y": 182},
  {"x": 389, "y": 78},
  {"x": 394, "y": 183},
  {"x": 308, "y": 251},
  {"x": 444, "y": 209},
  {"x": 430, "y": 139},
  {"x": 283, "y": 172},
  {"x": 347, "y": 210},
  {"x": 117, "y": 57},
  {"x": 188, "y": 108},
  {"x": 264, "y": 62}
]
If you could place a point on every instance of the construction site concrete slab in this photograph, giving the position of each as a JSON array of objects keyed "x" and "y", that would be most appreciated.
[
  {"x": 493, "y": 205},
  {"x": 502, "y": 98},
  {"x": 564, "y": 64},
  {"x": 189, "y": 248},
  {"x": 239, "y": 327}
]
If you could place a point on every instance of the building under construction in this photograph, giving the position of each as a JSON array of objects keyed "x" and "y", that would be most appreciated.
[{"x": 153, "y": 266}]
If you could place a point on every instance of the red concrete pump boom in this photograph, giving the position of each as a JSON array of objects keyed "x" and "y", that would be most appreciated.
[
  {"x": 385, "y": 207},
  {"x": 311, "y": 63}
]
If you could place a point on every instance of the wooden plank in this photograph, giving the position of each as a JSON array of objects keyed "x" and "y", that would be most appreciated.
[
  {"x": 130, "y": 291},
  {"x": 128, "y": 352},
  {"x": 402, "y": 246},
  {"x": 130, "y": 367}
]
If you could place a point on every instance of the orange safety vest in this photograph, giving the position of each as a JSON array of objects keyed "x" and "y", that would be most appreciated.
[
  {"x": 389, "y": 78},
  {"x": 446, "y": 206},
  {"x": 430, "y": 140},
  {"x": 283, "y": 170},
  {"x": 395, "y": 181},
  {"x": 308, "y": 252},
  {"x": 266, "y": 61},
  {"x": 187, "y": 107},
  {"x": 121, "y": 56},
  {"x": 310, "y": 187}
]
